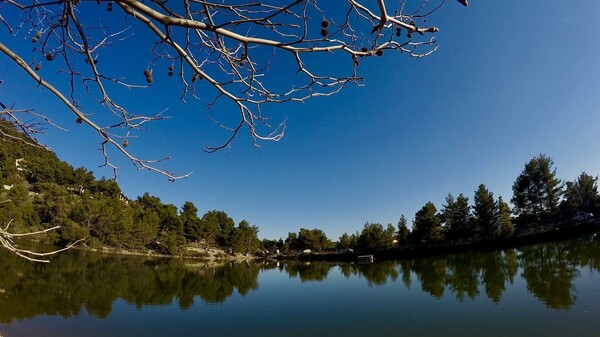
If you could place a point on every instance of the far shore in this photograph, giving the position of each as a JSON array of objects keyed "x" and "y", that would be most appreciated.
[
  {"x": 208, "y": 254},
  {"x": 215, "y": 255},
  {"x": 533, "y": 237}
]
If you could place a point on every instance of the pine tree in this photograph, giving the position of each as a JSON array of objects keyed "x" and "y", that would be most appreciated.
[
  {"x": 485, "y": 213},
  {"x": 403, "y": 234},
  {"x": 581, "y": 195},
  {"x": 427, "y": 227},
  {"x": 504, "y": 218},
  {"x": 458, "y": 218},
  {"x": 191, "y": 221},
  {"x": 537, "y": 191}
]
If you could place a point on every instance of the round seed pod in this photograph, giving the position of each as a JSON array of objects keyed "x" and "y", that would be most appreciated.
[
  {"x": 364, "y": 49},
  {"x": 109, "y": 6},
  {"x": 171, "y": 68},
  {"x": 34, "y": 40},
  {"x": 49, "y": 56},
  {"x": 379, "y": 52},
  {"x": 170, "y": 73},
  {"x": 79, "y": 120},
  {"x": 38, "y": 67},
  {"x": 324, "y": 32},
  {"x": 125, "y": 143},
  {"x": 38, "y": 35},
  {"x": 195, "y": 78},
  {"x": 147, "y": 73},
  {"x": 149, "y": 79},
  {"x": 325, "y": 24}
]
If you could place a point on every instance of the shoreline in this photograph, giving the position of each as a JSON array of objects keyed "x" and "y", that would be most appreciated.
[
  {"x": 210, "y": 254},
  {"x": 214, "y": 254},
  {"x": 515, "y": 241}
]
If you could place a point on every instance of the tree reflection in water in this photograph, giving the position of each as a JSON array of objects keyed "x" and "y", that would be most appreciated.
[
  {"x": 78, "y": 280},
  {"x": 81, "y": 280}
]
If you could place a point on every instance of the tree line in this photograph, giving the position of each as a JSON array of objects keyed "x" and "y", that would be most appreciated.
[
  {"x": 40, "y": 191},
  {"x": 540, "y": 199}
]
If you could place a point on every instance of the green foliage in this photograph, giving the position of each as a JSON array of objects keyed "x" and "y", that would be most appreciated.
[
  {"x": 536, "y": 191},
  {"x": 403, "y": 235},
  {"x": 146, "y": 223},
  {"x": 70, "y": 231},
  {"x": 427, "y": 227},
  {"x": 54, "y": 204},
  {"x": 313, "y": 239},
  {"x": 581, "y": 195},
  {"x": 485, "y": 213},
  {"x": 345, "y": 241},
  {"x": 272, "y": 245},
  {"x": 245, "y": 238},
  {"x": 375, "y": 237},
  {"x": 42, "y": 191},
  {"x": 170, "y": 242},
  {"x": 505, "y": 223},
  {"x": 458, "y": 218},
  {"x": 216, "y": 227},
  {"x": 291, "y": 242},
  {"x": 191, "y": 222},
  {"x": 106, "y": 187}
]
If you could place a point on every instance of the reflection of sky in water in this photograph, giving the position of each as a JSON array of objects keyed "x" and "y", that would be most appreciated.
[{"x": 341, "y": 306}]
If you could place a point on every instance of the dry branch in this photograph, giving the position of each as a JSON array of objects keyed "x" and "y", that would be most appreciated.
[
  {"x": 229, "y": 47},
  {"x": 7, "y": 241}
]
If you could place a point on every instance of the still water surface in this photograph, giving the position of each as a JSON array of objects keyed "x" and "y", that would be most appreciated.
[{"x": 546, "y": 290}]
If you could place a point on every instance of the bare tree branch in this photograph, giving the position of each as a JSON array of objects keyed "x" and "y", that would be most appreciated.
[
  {"x": 233, "y": 49},
  {"x": 7, "y": 241}
]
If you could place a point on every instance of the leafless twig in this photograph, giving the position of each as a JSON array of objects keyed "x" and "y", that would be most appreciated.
[
  {"x": 7, "y": 241},
  {"x": 248, "y": 55}
]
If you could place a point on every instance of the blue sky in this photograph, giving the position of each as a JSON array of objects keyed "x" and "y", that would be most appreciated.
[{"x": 511, "y": 79}]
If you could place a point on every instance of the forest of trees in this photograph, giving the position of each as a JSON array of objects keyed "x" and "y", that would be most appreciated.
[
  {"x": 40, "y": 191},
  {"x": 541, "y": 201}
]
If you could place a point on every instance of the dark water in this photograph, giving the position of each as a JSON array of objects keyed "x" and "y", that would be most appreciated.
[{"x": 545, "y": 290}]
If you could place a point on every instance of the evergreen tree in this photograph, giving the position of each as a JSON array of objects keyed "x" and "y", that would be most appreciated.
[
  {"x": 217, "y": 227},
  {"x": 403, "y": 234},
  {"x": 448, "y": 215},
  {"x": 581, "y": 195},
  {"x": 191, "y": 222},
  {"x": 536, "y": 191},
  {"x": 375, "y": 237},
  {"x": 458, "y": 218},
  {"x": 313, "y": 239},
  {"x": 291, "y": 242},
  {"x": 485, "y": 213},
  {"x": 505, "y": 224},
  {"x": 464, "y": 218},
  {"x": 344, "y": 241},
  {"x": 426, "y": 226},
  {"x": 171, "y": 235},
  {"x": 146, "y": 222},
  {"x": 245, "y": 238}
]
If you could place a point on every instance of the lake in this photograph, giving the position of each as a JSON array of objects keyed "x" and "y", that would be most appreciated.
[{"x": 545, "y": 290}]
